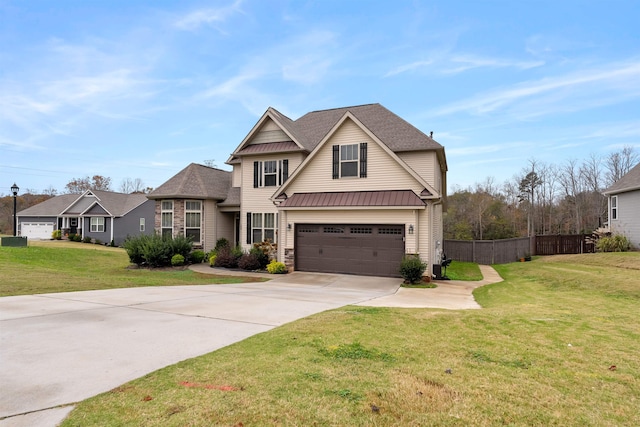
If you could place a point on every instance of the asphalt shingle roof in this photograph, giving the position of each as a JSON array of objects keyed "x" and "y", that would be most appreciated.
[
  {"x": 196, "y": 181},
  {"x": 629, "y": 182},
  {"x": 117, "y": 204}
]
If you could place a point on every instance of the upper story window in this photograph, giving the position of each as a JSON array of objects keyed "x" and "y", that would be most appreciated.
[
  {"x": 614, "y": 207},
  {"x": 270, "y": 173},
  {"x": 350, "y": 160},
  {"x": 166, "y": 215},
  {"x": 192, "y": 219}
]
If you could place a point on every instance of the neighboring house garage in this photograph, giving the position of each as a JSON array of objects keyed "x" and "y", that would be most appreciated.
[
  {"x": 37, "y": 230},
  {"x": 372, "y": 250}
]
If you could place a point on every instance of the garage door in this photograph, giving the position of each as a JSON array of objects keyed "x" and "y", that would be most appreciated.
[
  {"x": 36, "y": 230},
  {"x": 372, "y": 250}
]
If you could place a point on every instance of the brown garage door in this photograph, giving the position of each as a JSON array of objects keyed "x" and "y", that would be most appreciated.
[{"x": 372, "y": 250}]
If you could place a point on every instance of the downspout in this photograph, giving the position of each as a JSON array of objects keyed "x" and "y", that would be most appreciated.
[{"x": 112, "y": 227}]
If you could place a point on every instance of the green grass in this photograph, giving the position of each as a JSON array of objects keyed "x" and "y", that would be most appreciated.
[
  {"x": 539, "y": 353},
  {"x": 52, "y": 266},
  {"x": 468, "y": 271}
]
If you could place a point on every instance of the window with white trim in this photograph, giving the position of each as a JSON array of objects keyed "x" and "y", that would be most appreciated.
[
  {"x": 141, "y": 224},
  {"x": 166, "y": 218},
  {"x": 262, "y": 226},
  {"x": 270, "y": 173},
  {"x": 192, "y": 219},
  {"x": 97, "y": 224},
  {"x": 348, "y": 160},
  {"x": 614, "y": 207}
]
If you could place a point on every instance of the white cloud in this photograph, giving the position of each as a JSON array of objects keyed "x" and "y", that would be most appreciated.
[
  {"x": 198, "y": 18},
  {"x": 611, "y": 84}
]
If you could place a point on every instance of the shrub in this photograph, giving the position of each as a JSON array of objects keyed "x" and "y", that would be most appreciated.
[
  {"x": 177, "y": 260},
  {"x": 616, "y": 243},
  {"x": 86, "y": 239},
  {"x": 157, "y": 251},
  {"x": 196, "y": 256},
  {"x": 412, "y": 268},
  {"x": 276, "y": 267},
  {"x": 249, "y": 261},
  {"x": 133, "y": 246},
  {"x": 77, "y": 238},
  {"x": 180, "y": 245},
  {"x": 97, "y": 241},
  {"x": 212, "y": 259},
  {"x": 237, "y": 252},
  {"x": 267, "y": 249},
  {"x": 225, "y": 258},
  {"x": 261, "y": 257},
  {"x": 221, "y": 243},
  {"x": 56, "y": 235}
]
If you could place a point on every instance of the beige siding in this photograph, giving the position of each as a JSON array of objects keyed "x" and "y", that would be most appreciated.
[
  {"x": 425, "y": 164},
  {"x": 258, "y": 200},
  {"x": 236, "y": 175},
  {"x": 383, "y": 173},
  {"x": 225, "y": 227},
  {"x": 269, "y": 132},
  {"x": 209, "y": 224}
]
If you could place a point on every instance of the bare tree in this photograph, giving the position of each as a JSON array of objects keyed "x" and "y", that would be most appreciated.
[
  {"x": 619, "y": 163},
  {"x": 129, "y": 185},
  {"x": 80, "y": 185}
]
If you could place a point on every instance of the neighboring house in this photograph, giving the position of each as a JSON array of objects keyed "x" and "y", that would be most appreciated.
[
  {"x": 103, "y": 215},
  {"x": 624, "y": 205},
  {"x": 346, "y": 190}
]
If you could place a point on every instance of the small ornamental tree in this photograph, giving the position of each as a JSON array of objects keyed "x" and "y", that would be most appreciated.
[{"x": 412, "y": 268}]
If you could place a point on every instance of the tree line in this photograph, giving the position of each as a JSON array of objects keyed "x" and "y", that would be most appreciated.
[{"x": 543, "y": 198}]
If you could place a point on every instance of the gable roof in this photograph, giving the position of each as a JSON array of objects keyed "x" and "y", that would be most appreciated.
[
  {"x": 309, "y": 130},
  {"x": 114, "y": 204},
  {"x": 629, "y": 182},
  {"x": 197, "y": 182}
]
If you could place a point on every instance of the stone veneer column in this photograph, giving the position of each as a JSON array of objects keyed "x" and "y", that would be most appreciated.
[{"x": 289, "y": 259}]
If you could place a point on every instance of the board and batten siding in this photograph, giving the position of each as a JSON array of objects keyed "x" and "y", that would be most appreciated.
[
  {"x": 383, "y": 172},
  {"x": 628, "y": 221},
  {"x": 417, "y": 217}
]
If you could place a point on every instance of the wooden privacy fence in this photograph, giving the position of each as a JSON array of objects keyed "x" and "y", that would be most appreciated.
[
  {"x": 510, "y": 250},
  {"x": 564, "y": 244},
  {"x": 488, "y": 251}
]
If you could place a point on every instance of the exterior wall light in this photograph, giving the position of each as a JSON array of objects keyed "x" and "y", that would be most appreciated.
[{"x": 410, "y": 228}]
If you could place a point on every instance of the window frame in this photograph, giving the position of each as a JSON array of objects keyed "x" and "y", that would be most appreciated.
[
  {"x": 165, "y": 229},
  {"x": 188, "y": 213},
  {"x": 278, "y": 173},
  {"x": 142, "y": 225},
  {"x": 614, "y": 208},
  {"x": 97, "y": 226},
  {"x": 264, "y": 225},
  {"x": 350, "y": 150}
]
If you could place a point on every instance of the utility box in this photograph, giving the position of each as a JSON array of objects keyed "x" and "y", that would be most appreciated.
[{"x": 13, "y": 241}]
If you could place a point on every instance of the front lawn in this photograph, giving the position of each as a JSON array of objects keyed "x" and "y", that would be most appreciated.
[
  {"x": 556, "y": 343},
  {"x": 61, "y": 266}
]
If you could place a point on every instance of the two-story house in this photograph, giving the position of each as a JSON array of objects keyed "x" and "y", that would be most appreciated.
[{"x": 346, "y": 190}]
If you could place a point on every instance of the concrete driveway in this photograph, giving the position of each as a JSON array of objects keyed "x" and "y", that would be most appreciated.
[{"x": 59, "y": 349}]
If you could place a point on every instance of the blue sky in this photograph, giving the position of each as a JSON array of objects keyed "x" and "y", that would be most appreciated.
[{"x": 140, "y": 89}]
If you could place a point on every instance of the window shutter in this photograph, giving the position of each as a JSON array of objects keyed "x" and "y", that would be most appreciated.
[
  {"x": 249, "y": 228},
  {"x": 256, "y": 173},
  {"x": 336, "y": 161},
  {"x": 363, "y": 160},
  {"x": 285, "y": 170}
]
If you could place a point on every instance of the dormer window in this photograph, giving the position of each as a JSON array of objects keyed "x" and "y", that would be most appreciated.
[{"x": 350, "y": 160}]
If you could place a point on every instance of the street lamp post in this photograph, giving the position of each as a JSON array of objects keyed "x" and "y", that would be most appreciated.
[{"x": 14, "y": 191}]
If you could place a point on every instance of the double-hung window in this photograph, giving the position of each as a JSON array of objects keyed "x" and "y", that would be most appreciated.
[
  {"x": 270, "y": 173},
  {"x": 350, "y": 160},
  {"x": 166, "y": 218},
  {"x": 192, "y": 219},
  {"x": 261, "y": 227},
  {"x": 97, "y": 224},
  {"x": 614, "y": 207}
]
